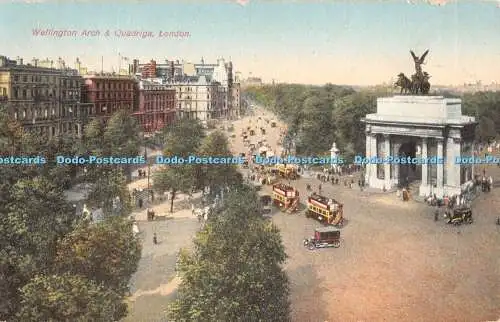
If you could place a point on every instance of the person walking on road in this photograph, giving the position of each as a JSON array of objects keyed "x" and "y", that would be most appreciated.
[
  {"x": 319, "y": 189},
  {"x": 155, "y": 239}
]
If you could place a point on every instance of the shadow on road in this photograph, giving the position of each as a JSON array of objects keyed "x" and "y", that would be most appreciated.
[{"x": 307, "y": 295}]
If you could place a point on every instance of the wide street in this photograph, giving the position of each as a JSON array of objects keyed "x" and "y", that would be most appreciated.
[{"x": 395, "y": 263}]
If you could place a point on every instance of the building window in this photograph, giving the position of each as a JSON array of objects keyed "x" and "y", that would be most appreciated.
[
  {"x": 24, "y": 93},
  {"x": 25, "y": 79},
  {"x": 15, "y": 115},
  {"x": 53, "y": 111},
  {"x": 24, "y": 114}
]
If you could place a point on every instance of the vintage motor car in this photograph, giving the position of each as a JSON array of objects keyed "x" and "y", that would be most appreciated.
[
  {"x": 323, "y": 237},
  {"x": 458, "y": 216},
  {"x": 265, "y": 203}
]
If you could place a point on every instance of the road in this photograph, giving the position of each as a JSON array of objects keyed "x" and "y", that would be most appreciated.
[
  {"x": 395, "y": 263},
  {"x": 154, "y": 284}
]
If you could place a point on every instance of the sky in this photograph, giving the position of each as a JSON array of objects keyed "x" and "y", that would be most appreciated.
[{"x": 313, "y": 42}]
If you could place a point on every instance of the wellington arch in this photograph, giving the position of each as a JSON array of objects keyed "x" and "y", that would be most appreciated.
[{"x": 412, "y": 126}]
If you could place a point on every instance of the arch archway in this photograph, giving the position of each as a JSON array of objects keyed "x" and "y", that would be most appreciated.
[{"x": 408, "y": 172}]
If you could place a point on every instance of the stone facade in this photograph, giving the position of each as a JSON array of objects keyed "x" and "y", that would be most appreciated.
[
  {"x": 109, "y": 94},
  {"x": 419, "y": 127},
  {"x": 45, "y": 100},
  {"x": 156, "y": 107}
]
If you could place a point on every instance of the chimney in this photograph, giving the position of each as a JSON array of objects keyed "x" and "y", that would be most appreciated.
[
  {"x": 135, "y": 66},
  {"x": 20, "y": 61},
  {"x": 230, "y": 74}
]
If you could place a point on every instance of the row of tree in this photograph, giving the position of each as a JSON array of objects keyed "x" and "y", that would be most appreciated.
[
  {"x": 54, "y": 264},
  {"x": 188, "y": 138},
  {"x": 234, "y": 272},
  {"x": 317, "y": 116}
]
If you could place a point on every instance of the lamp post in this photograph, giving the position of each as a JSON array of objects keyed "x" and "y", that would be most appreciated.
[{"x": 334, "y": 153}]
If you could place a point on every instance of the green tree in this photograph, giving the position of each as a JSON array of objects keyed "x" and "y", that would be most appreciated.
[
  {"x": 347, "y": 116},
  {"x": 121, "y": 136},
  {"x": 35, "y": 217},
  {"x": 63, "y": 175},
  {"x": 217, "y": 176},
  {"x": 234, "y": 273},
  {"x": 93, "y": 137},
  {"x": 65, "y": 297},
  {"x": 181, "y": 141},
  {"x": 11, "y": 133},
  {"x": 107, "y": 253},
  {"x": 110, "y": 185},
  {"x": 485, "y": 106}
]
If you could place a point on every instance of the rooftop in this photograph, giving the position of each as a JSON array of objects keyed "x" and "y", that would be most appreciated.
[
  {"x": 322, "y": 199},
  {"x": 284, "y": 187}
]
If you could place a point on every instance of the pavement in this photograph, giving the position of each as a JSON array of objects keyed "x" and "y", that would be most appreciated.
[{"x": 155, "y": 282}]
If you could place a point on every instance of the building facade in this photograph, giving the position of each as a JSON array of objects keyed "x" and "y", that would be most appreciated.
[
  {"x": 47, "y": 101},
  {"x": 429, "y": 130},
  {"x": 109, "y": 94},
  {"x": 156, "y": 105},
  {"x": 149, "y": 70},
  {"x": 203, "y": 91},
  {"x": 196, "y": 97}
]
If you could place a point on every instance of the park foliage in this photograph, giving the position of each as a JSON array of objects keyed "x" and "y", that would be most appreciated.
[
  {"x": 317, "y": 116},
  {"x": 235, "y": 271},
  {"x": 54, "y": 264}
]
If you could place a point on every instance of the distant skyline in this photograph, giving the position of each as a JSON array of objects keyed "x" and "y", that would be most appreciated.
[{"x": 341, "y": 42}]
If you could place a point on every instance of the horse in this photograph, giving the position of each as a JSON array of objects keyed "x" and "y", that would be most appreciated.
[
  {"x": 404, "y": 82},
  {"x": 420, "y": 84}
]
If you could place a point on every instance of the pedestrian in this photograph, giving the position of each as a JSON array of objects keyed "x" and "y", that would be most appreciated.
[
  {"x": 319, "y": 189},
  {"x": 155, "y": 239},
  {"x": 141, "y": 202},
  {"x": 192, "y": 209},
  {"x": 436, "y": 214}
]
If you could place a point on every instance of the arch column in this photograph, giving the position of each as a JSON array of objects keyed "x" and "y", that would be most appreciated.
[
  {"x": 396, "y": 145},
  {"x": 425, "y": 170},
  {"x": 371, "y": 151},
  {"x": 440, "y": 166},
  {"x": 387, "y": 165}
]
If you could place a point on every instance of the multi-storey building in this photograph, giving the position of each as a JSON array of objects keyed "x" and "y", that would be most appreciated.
[
  {"x": 109, "y": 94},
  {"x": 204, "y": 91},
  {"x": 236, "y": 110},
  {"x": 156, "y": 105},
  {"x": 196, "y": 97},
  {"x": 149, "y": 70},
  {"x": 44, "y": 100}
]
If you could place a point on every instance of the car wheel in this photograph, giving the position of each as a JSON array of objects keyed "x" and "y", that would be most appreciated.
[
  {"x": 336, "y": 244},
  {"x": 311, "y": 246}
]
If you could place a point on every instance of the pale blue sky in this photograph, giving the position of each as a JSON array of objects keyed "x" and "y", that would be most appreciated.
[{"x": 308, "y": 42}]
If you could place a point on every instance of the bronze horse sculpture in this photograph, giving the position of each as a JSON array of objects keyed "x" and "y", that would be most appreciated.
[
  {"x": 416, "y": 85},
  {"x": 404, "y": 83},
  {"x": 419, "y": 82}
]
